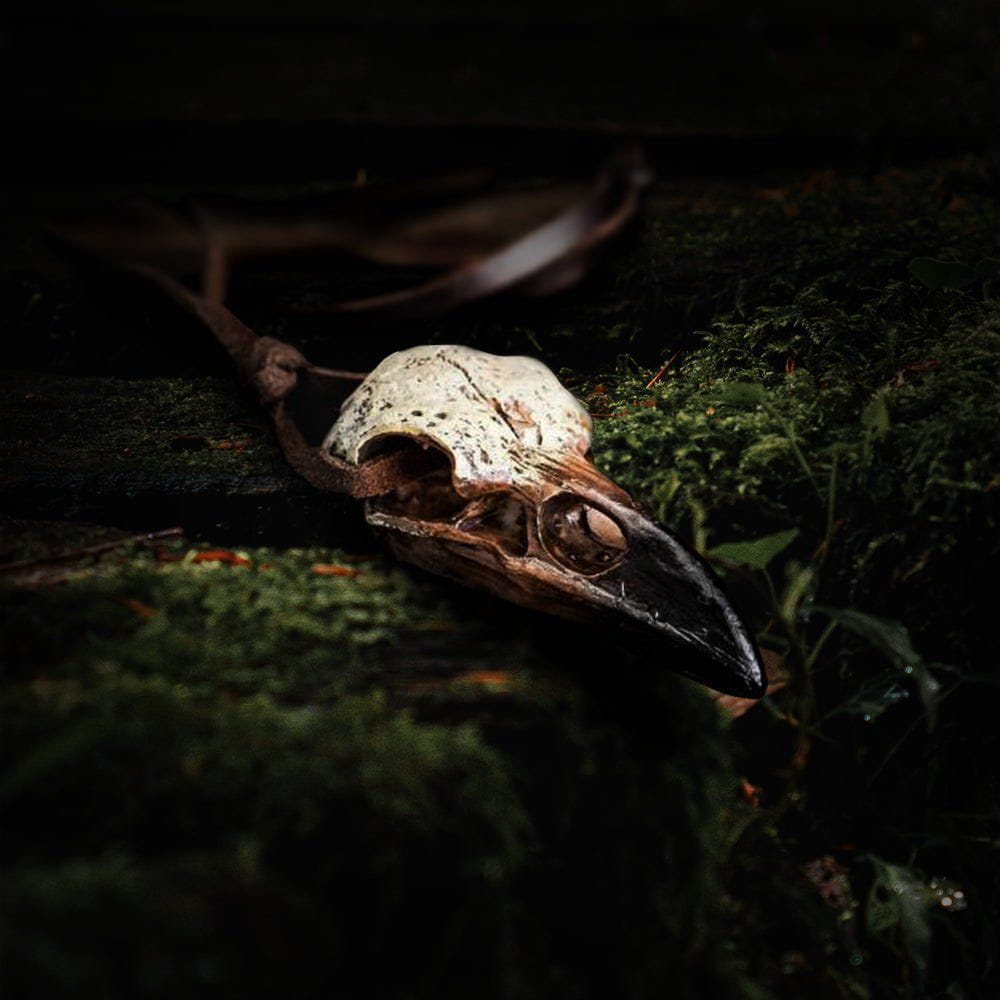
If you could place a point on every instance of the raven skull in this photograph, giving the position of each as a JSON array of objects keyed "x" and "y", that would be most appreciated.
[{"x": 508, "y": 501}]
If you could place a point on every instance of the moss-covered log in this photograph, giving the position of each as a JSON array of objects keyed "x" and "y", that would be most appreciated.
[
  {"x": 344, "y": 766},
  {"x": 164, "y": 452}
]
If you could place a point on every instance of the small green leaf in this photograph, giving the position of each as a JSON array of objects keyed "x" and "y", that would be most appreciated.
[
  {"x": 928, "y": 688},
  {"x": 755, "y": 554},
  {"x": 942, "y": 273},
  {"x": 744, "y": 393},
  {"x": 897, "y": 905},
  {"x": 699, "y": 534},
  {"x": 875, "y": 421},
  {"x": 800, "y": 577},
  {"x": 892, "y": 639},
  {"x": 874, "y": 697}
]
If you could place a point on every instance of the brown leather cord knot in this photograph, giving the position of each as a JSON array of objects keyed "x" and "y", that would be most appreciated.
[
  {"x": 274, "y": 367},
  {"x": 373, "y": 477}
]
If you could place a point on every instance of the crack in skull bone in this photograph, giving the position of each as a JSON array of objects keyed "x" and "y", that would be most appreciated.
[{"x": 489, "y": 414}]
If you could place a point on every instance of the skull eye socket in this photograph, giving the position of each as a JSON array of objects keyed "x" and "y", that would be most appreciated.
[
  {"x": 430, "y": 495},
  {"x": 580, "y": 536},
  {"x": 498, "y": 518}
]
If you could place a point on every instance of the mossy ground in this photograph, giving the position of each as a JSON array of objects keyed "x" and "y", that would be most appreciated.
[
  {"x": 332, "y": 762},
  {"x": 253, "y": 778}
]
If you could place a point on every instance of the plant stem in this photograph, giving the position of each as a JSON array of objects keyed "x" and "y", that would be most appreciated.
[{"x": 796, "y": 450}]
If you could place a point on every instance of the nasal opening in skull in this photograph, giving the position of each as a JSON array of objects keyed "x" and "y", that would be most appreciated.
[
  {"x": 498, "y": 518},
  {"x": 430, "y": 495},
  {"x": 580, "y": 536}
]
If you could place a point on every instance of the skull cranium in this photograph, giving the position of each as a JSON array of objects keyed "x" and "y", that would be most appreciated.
[{"x": 506, "y": 499}]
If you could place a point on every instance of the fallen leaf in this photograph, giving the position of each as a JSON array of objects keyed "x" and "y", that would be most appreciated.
[
  {"x": 771, "y": 193},
  {"x": 777, "y": 678},
  {"x": 136, "y": 606},
  {"x": 221, "y": 556},
  {"x": 228, "y": 445},
  {"x": 485, "y": 678},
  {"x": 331, "y": 569}
]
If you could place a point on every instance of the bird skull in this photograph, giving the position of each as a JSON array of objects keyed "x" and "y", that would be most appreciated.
[{"x": 508, "y": 501}]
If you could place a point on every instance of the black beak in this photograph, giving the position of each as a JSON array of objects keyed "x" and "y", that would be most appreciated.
[
  {"x": 599, "y": 561},
  {"x": 670, "y": 596},
  {"x": 665, "y": 595}
]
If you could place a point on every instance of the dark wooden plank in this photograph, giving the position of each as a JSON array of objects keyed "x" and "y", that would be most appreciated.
[{"x": 155, "y": 453}]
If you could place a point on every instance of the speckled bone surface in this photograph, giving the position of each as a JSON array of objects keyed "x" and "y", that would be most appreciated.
[{"x": 491, "y": 414}]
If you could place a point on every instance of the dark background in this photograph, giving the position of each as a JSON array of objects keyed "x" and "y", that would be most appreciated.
[{"x": 178, "y": 91}]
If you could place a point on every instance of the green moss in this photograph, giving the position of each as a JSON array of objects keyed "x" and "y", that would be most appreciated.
[
  {"x": 272, "y": 625},
  {"x": 836, "y": 396},
  {"x": 261, "y": 744},
  {"x": 115, "y": 426},
  {"x": 867, "y": 376},
  {"x": 312, "y": 815}
]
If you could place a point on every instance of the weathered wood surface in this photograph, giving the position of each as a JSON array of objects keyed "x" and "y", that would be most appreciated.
[{"x": 156, "y": 453}]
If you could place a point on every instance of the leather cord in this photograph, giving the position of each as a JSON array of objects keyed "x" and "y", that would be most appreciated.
[
  {"x": 548, "y": 258},
  {"x": 304, "y": 399}
]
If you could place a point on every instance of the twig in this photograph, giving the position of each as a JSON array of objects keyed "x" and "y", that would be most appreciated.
[
  {"x": 796, "y": 451},
  {"x": 91, "y": 550},
  {"x": 663, "y": 371}
]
